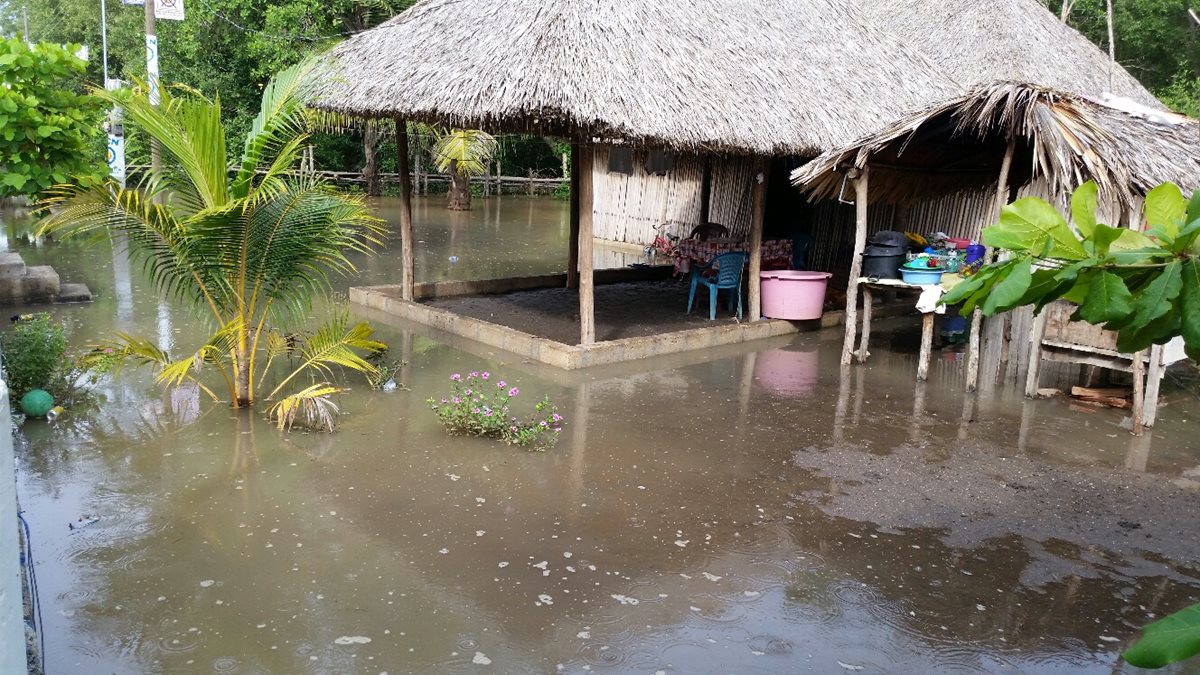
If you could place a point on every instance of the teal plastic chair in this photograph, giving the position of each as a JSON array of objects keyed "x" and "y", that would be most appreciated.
[{"x": 729, "y": 277}]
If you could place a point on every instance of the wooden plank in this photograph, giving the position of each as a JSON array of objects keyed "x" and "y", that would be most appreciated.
[
  {"x": 860, "y": 245},
  {"x": 926, "y": 347},
  {"x": 587, "y": 309},
  {"x": 407, "y": 266},
  {"x": 756, "y": 237},
  {"x": 974, "y": 346}
]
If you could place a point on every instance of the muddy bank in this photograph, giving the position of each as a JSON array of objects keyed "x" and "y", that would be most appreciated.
[{"x": 1142, "y": 524}]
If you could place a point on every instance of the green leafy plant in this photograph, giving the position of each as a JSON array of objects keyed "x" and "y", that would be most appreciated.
[
  {"x": 477, "y": 406},
  {"x": 1144, "y": 286},
  {"x": 49, "y": 128},
  {"x": 462, "y": 153},
  {"x": 34, "y": 353},
  {"x": 249, "y": 248},
  {"x": 1173, "y": 638}
]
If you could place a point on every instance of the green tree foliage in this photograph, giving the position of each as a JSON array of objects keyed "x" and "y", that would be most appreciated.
[
  {"x": 49, "y": 129},
  {"x": 462, "y": 153},
  {"x": 250, "y": 250},
  {"x": 1144, "y": 286},
  {"x": 1155, "y": 40},
  {"x": 33, "y": 353}
]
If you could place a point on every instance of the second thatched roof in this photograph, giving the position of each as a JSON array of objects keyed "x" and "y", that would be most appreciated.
[
  {"x": 742, "y": 76},
  {"x": 1062, "y": 138},
  {"x": 978, "y": 42}
]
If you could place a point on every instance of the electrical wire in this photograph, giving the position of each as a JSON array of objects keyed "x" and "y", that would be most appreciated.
[{"x": 34, "y": 596}]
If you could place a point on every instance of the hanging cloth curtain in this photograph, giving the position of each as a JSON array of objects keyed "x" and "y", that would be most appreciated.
[
  {"x": 660, "y": 162},
  {"x": 620, "y": 160}
]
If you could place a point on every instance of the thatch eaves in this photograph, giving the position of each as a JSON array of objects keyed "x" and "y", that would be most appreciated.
[
  {"x": 739, "y": 76},
  {"x": 978, "y": 42},
  {"x": 1063, "y": 138}
]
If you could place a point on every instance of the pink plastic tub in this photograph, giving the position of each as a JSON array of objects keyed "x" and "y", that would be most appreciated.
[{"x": 794, "y": 295}]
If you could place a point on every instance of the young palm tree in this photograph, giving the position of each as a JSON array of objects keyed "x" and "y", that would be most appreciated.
[
  {"x": 462, "y": 153},
  {"x": 249, "y": 247}
]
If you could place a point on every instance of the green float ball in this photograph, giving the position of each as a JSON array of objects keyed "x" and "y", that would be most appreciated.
[{"x": 37, "y": 402}]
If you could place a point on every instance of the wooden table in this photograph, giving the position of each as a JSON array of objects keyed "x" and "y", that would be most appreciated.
[{"x": 866, "y": 285}]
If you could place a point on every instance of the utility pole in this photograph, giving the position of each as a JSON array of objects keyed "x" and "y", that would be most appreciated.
[
  {"x": 104, "y": 38},
  {"x": 152, "y": 81},
  {"x": 25, "y": 15},
  {"x": 1112, "y": 48}
]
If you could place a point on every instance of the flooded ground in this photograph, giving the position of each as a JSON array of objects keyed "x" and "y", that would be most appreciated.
[{"x": 755, "y": 509}]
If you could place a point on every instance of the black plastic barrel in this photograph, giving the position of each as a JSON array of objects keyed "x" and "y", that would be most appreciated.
[{"x": 882, "y": 266}]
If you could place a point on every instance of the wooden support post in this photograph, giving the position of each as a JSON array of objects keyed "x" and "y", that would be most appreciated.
[
  {"x": 756, "y": 237},
  {"x": 1033, "y": 376},
  {"x": 1139, "y": 391},
  {"x": 864, "y": 340},
  {"x": 573, "y": 243},
  {"x": 1153, "y": 381},
  {"x": 407, "y": 276},
  {"x": 706, "y": 192},
  {"x": 587, "y": 309},
  {"x": 973, "y": 345},
  {"x": 926, "y": 347},
  {"x": 860, "y": 245}
]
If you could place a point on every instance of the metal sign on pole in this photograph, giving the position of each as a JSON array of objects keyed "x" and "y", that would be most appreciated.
[{"x": 171, "y": 10}]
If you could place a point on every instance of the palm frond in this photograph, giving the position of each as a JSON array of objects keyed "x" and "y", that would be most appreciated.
[
  {"x": 469, "y": 150},
  {"x": 311, "y": 404},
  {"x": 333, "y": 345},
  {"x": 281, "y": 119},
  {"x": 189, "y": 128}
]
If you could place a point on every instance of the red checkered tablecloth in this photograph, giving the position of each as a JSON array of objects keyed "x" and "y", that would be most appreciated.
[{"x": 776, "y": 253}]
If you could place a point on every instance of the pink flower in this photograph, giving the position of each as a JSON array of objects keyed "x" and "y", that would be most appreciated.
[
  {"x": 556, "y": 417},
  {"x": 474, "y": 373},
  {"x": 457, "y": 399},
  {"x": 514, "y": 391},
  {"x": 455, "y": 377},
  {"x": 485, "y": 375},
  {"x": 501, "y": 384}
]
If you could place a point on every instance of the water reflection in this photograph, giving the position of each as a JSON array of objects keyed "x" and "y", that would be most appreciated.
[{"x": 749, "y": 509}]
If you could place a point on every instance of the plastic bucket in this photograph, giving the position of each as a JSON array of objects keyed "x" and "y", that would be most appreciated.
[{"x": 794, "y": 295}]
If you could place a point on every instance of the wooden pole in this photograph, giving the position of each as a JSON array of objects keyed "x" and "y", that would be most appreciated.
[
  {"x": 864, "y": 340},
  {"x": 1139, "y": 391},
  {"x": 1153, "y": 382},
  {"x": 860, "y": 245},
  {"x": 587, "y": 310},
  {"x": 973, "y": 345},
  {"x": 706, "y": 192},
  {"x": 573, "y": 240},
  {"x": 1033, "y": 376},
  {"x": 756, "y": 237},
  {"x": 926, "y": 347},
  {"x": 407, "y": 277}
]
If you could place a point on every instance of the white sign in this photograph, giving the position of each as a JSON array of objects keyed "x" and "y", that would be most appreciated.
[
  {"x": 113, "y": 84},
  {"x": 152, "y": 67},
  {"x": 116, "y": 158},
  {"x": 168, "y": 9}
]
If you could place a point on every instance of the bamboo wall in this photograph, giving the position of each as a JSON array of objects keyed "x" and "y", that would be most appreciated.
[{"x": 629, "y": 207}]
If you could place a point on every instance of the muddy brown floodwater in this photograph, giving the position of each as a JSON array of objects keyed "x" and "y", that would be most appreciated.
[{"x": 755, "y": 509}]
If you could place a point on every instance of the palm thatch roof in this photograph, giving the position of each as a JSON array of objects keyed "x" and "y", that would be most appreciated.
[
  {"x": 1066, "y": 139},
  {"x": 978, "y": 42},
  {"x": 741, "y": 76}
]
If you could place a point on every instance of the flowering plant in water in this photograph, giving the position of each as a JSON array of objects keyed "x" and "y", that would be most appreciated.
[{"x": 479, "y": 405}]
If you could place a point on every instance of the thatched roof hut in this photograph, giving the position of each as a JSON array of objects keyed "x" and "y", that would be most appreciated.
[
  {"x": 709, "y": 75},
  {"x": 1063, "y": 139},
  {"x": 1016, "y": 40}
]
